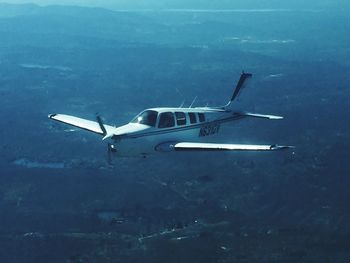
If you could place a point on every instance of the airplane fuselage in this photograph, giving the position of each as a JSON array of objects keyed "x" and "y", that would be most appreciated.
[{"x": 167, "y": 126}]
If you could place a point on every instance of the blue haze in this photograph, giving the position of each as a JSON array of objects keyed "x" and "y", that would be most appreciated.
[{"x": 60, "y": 201}]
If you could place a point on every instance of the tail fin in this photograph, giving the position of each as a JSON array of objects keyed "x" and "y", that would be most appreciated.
[{"x": 240, "y": 85}]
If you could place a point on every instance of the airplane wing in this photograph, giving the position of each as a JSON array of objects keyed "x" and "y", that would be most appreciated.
[
  {"x": 91, "y": 126},
  {"x": 197, "y": 146}
]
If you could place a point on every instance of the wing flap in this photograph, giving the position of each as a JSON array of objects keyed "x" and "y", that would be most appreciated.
[
  {"x": 88, "y": 125},
  {"x": 194, "y": 146}
]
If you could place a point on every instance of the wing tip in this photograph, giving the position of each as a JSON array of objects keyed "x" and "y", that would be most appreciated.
[
  {"x": 276, "y": 117},
  {"x": 281, "y": 147},
  {"x": 51, "y": 116}
]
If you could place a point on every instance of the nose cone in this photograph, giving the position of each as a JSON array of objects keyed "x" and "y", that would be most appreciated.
[
  {"x": 131, "y": 128},
  {"x": 125, "y": 140}
]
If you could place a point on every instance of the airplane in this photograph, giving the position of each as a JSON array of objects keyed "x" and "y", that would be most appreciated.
[{"x": 173, "y": 129}]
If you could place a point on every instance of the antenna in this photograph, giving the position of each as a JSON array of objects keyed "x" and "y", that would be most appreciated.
[
  {"x": 178, "y": 91},
  {"x": 193, "y": 101},
  {"x": 182, "y": 104}
]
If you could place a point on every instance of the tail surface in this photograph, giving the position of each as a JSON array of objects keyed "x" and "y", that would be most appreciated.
[{"x": 242, "y": 82}]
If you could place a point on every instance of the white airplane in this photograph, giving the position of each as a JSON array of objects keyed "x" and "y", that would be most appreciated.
[{"x": 159, "y": 130}]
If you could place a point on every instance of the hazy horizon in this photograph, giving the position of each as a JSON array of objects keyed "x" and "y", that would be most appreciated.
[{"x": 194, "y": 4}]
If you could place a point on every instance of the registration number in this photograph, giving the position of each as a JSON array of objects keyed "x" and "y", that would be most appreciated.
[{"x": 209, "y": 130}]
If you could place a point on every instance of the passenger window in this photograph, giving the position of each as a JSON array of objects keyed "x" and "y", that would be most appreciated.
[
  {"x": 166, "y": 120},
  {"x": 180, "y": 118},
  {"x": 201, "y": 117},
  {"x": 192, "y": 116}
]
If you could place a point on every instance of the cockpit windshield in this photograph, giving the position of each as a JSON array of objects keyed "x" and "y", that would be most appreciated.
[{"x": 148, "y": 117}]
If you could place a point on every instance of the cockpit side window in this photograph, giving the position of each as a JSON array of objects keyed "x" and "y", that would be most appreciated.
[
  {"x": 166, "y": 120},
  {"x": 180, "y": 118},
  {"x": 192, "y": 116},
  {"x": 201, "y": 117},
  {"x": 148, "y": 117}
]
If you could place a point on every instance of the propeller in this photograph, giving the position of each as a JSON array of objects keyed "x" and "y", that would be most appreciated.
[
  {"x": 103, "y": 128},
  {"x": 110, "y": 147}
]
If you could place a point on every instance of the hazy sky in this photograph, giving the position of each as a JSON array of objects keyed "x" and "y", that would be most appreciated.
[{"x": 195, "y": 4}]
